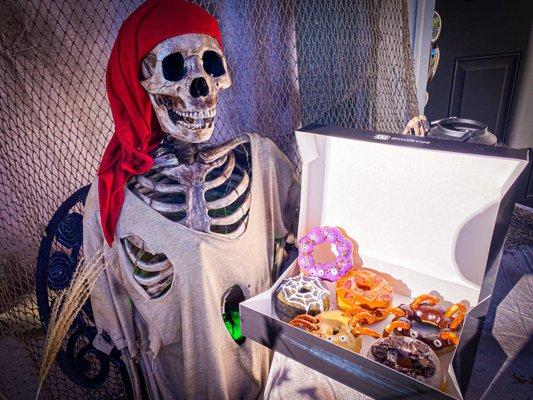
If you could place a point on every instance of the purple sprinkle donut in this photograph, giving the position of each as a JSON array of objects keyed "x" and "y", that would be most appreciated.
[{"x": 330, "y": 271}]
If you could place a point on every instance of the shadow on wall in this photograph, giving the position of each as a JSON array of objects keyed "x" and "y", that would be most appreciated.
[{"x": 472, "y": 237}]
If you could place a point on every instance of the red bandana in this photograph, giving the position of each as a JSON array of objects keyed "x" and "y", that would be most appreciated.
[{"x": 137, "y": 130}]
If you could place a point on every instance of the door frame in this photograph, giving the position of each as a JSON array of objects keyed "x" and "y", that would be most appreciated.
[{"x": 420, "y": 29}]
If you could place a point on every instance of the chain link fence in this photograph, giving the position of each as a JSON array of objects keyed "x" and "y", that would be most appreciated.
[{"x": 293, "y": 62}]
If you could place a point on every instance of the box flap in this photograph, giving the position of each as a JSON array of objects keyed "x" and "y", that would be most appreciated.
[{"x": 428, "y": 205}]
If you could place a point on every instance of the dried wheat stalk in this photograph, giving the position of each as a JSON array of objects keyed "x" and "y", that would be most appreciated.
[{"x": 66, "y": 307}]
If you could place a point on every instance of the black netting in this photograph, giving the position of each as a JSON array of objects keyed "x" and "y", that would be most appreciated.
[{"x": 293, "y": 62}]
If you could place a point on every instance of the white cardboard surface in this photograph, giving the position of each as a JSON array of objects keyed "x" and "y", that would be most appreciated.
[{"x": 425, "y": 210}]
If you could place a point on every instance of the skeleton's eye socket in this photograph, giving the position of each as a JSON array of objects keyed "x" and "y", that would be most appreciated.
[
  {"x": 213, "y": 64},
  {"x": 174, "y": 67}
]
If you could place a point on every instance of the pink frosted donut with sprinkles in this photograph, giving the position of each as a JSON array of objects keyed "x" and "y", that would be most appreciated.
[{"x": 341, "y": 246}]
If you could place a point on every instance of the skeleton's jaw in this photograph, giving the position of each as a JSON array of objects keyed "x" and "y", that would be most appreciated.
[{"x": 187, "y": 126}]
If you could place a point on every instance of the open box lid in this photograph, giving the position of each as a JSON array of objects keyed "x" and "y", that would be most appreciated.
[
  {"x": 429, "y": 205},
  {"x": 428, "y": 212}
]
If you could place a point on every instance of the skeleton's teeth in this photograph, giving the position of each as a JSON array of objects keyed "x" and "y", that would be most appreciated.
[
  {"x": 193, "y": 119},
  {"x": 193, "y": 126},
  {"x": 196, "y": 114}
]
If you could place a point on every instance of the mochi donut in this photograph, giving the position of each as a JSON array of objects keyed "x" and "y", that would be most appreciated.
[
  {"x": 408, "y": 356},
  {"x": 330, "y": 271},
  {"x": 362, "y": 288},
  {"x": 300, "y": 295},
  {"x": 335, "y": 327}
]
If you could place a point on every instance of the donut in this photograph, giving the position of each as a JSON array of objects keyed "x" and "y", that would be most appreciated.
[
  {"x": 300, "y": 295},
  {"x": 330, "y": 271},
  {"x": 428, "y": 321},
  {"x": 408, "y": 356},
  {"x": 367, "y": 316},
  {"x": 335, "y": 327},
  {"x": 363, "y": 289}
]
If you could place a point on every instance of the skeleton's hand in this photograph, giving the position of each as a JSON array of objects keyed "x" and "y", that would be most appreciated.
[{"x": 417, "y": 126}]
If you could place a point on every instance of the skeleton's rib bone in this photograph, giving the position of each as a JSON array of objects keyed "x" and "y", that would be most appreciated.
[
  {"x": 235, "y": 234},
  {"x": 160, "y": 187},
  {"x": 155, "y": 290},
  {"x": 168, "y": 207},
  {"x": 153, "y": 280},
  {"x": 162, "y": 271},
  {"x": 232, "y": 196},
  {"x": 159, "y": 205},
  {"x": 165, "y": 160},
  {"x": 148, "y": 267},
  {"x": 237, "y": 215},
  {"x": 217, "y": 163},
  {"x": 136, "y": 241},
  {"x": 226, "y": 173}
]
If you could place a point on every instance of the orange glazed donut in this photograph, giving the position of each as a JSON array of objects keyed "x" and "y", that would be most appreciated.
[{"x": 363, "y": 288}]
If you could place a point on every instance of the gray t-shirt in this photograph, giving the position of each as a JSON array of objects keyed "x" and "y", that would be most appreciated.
[{"x": 179, "y": 339}]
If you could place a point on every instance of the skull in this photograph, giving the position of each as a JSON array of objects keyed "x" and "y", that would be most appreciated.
[{"x": 183, "y": 76}]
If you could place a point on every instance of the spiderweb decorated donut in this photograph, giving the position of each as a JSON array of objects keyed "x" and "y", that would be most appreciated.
[
  {"x": 341, "y": 246},
  {"x": 301, "y": 295}
]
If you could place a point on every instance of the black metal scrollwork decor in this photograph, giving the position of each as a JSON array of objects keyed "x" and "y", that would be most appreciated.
[
  {"x": 70, "y": 231},
  {"x": 59, "y": 254},
  {"x": 60, "y": 270}
]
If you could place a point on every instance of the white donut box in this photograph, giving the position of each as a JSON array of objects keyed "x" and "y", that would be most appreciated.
[{"x": 430, "y": 215}]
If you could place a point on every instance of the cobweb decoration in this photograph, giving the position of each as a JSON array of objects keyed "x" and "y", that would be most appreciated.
[
  {"x": 306, "y": 291},
  {"x": 293, "y": 62}
]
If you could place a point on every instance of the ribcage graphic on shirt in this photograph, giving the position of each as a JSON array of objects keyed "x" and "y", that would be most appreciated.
[
  {"x": 211, "y": 194},
  {"x": 152, "y": 271}
]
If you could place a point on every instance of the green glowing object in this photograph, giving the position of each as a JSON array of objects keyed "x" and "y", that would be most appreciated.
[{"x": 232, "y": 321}]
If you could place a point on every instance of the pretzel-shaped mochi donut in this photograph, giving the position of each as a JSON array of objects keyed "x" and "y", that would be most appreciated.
[
  {"x": 363, "y": 288},
  {"x": 428, "y": 321},
  {"x": 334, "y": 326},
  {"x": 330, "y": 271}
]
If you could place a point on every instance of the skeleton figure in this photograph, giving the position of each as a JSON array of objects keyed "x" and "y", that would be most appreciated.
[
  {"x": 203, "y": 188},
  {"x": 202, "y": 220}
]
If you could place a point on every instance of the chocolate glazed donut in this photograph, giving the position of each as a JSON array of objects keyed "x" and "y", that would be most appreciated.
[{"x": 408, "y": 356}]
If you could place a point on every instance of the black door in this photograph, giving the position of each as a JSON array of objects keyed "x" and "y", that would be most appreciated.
[{"x": 482, "y": 47}]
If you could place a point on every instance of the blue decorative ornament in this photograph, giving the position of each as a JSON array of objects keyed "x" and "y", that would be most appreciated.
[
  {"x": 70, "y": 230},
  {"x": 60, "y": 270}
]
